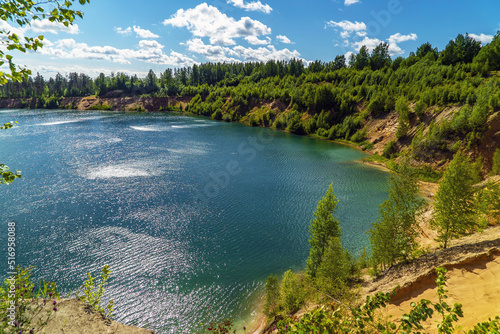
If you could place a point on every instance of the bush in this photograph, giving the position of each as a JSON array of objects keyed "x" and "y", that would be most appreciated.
[
  {"x": 359, "y": 136},
  {"x": 292, "y": 292},
  {"x": 272, "y": 303},
  {"x": 390, "y": 150},
  {"x": 495, "y": 170},
  {"x": 217, "y": 114}
]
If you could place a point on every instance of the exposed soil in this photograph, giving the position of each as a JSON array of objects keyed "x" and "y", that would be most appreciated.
[
  {"x": 73, "y": 316},
  {"x": 473, "y": 279}
]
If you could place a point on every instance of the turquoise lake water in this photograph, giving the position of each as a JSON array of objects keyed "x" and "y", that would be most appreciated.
[{"x": 191, "y": 214}]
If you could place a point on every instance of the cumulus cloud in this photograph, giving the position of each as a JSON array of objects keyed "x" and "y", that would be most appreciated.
[
  {"x": 218, "y": 53},
  {"x": 484, "y": 39},
  {"x": 149, "y": 51},
  {"x": 52, "y": 70},
  {"x": 256, "y": 41},
  {"x": 264, "y": 54},
  {"x": 42, "y": 26},
  {"x": 352, "y": 32},
  {"x": 140, "y": 33},
  {"x": 251, "y": 6},
  {"x": 122, "y": 31},
  {"x": 284, "y": 39},
  {"x": 393, "y": 40},
  {"x": 370, "y": 43},
  {"x": 348, "y": 56},
  {"x": 350, "y": 2},
  {"x": 144, "y": 33},
  {"x": 398, "y": 38},
  {"x": 207, "y": 21},
  {"x": 348, "y": 27}
]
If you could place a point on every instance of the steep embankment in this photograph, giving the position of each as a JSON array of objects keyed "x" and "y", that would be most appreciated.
[
  {"x": 109, "y": 102},
  {"x": 73, "y": 316},
  {"x": 379, "y": 131},
  {"x": 473, "y": 277}
]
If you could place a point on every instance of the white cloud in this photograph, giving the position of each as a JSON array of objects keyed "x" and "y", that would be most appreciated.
[
  {"x": 251, "y": 6},
  {"x": 208, "y": 21},
  {"x": 264, "y": 54},
  {"x": 141, "y": 33},
  {"x": 393, "y": 41},
  {"x": 350, "y": 2},
  {"x": 217, "y": 53},
  {"x": 53, "y": 27},
  {"x": 148, "y": 44},
  {"x": 149, "y": 51},
  {"x": 398, "y": 38},
  {"x": 11, "y": 30},
  {"x": 256, "y": 41},
  {"x": 196, "y": 45},
  {"x": 348, "y": 56},
  {"x": 144, "y": 33},
  {"x": 395, "y": 50},
  {"x": 52, "y": 70},
  {"x": 484, "y": 39},
  {"x": 122, "y": 31},
  {"x": 370, "y": 43},
  {"x": 348, "y": 27},
  {"x": 284, "y": 39}
]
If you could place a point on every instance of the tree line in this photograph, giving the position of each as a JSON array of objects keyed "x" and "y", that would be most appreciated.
[{"x": 325, "y": 99}]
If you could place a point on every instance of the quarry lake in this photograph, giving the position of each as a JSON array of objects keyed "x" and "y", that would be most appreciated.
[{"x": 191, "y": 214}]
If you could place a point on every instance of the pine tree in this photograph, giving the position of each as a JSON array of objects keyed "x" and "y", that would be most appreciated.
[
  {"x": 322, "y": 228},
  {"x": 272, "y": 296},
  {"x": 454, "y": 208},
  {"x": 334, "y": 269},
  {"x": 393, "y": 236}
]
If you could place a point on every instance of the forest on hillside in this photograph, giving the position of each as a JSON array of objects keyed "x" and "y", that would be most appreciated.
[{"x": 329, "y": 100}]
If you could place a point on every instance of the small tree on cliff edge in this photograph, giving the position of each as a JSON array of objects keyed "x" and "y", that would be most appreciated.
[
  {"x": 454, "y": 208},
  {"x": 322, "y": 228},
  {"x": 393, "y": 236}
]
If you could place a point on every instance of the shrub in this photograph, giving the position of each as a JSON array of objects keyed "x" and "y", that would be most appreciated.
[
  {"x": 390, "y": 149},
  {"x": 217, "y": 114},
  {"x": 272, "y": 303},
  {"x": 292, "y": 292},
  {"x": 495, "y": 170}
]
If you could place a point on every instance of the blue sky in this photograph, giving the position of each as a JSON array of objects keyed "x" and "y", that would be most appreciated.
[{"x": 133, "y": 37}]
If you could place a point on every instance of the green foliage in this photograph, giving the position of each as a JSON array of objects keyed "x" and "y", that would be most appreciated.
[
  {"x": 359, "y": 136},
  {"x": 461, "y": 50},
  {"x": 7, "y": 176},
  {"x": 495, "y": 169},
  {"x": 23, "y": 13},
  {"x": 92, "y": 294},
  {"x": 100, "y": 106},
  {"x": 489, "y": 203},
  {"x": 272, "y": 303},
  {"x": 334, "y": 269},
  {"x": 489, "y": 55},
  {"x": 20, "y": 301},
  {"x": 393, "y": 236},
  {"x": 454, "y": 208},
  {"x": 420, "y": 109},
  {"x": 364, "y": 319},
  {"x": 487, "y": 327},
  {"x": 403, "y": 109},
  {"x": 390, "y": 150},
  {"x": 292, "y": 292},
  {"x": 322, "y": 228}
]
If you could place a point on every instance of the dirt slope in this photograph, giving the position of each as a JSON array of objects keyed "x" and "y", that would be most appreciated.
[{"x": 74, "y": 317}]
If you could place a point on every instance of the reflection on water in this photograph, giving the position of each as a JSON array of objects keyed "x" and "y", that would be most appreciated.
[{"x": 124, "y": 190}]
